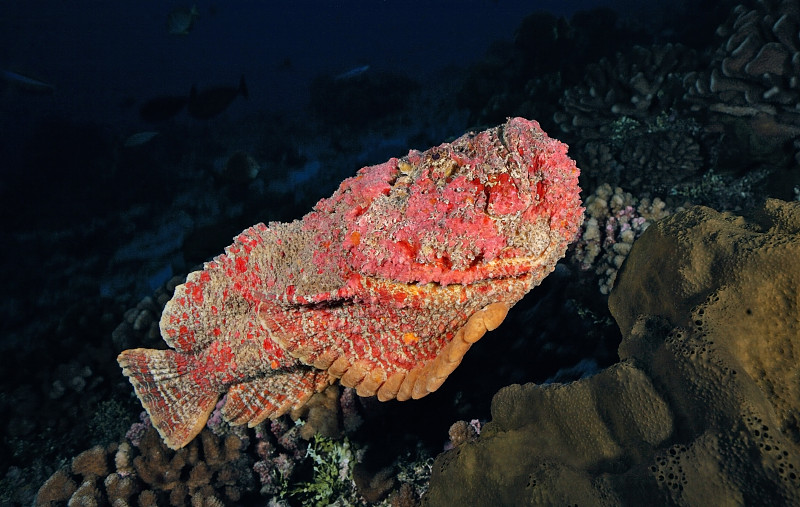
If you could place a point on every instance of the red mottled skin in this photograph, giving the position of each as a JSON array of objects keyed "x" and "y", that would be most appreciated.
[{"x": 374, "y": 287}]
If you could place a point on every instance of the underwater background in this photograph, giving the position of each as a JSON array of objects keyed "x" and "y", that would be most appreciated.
[{"x": 137, "y": 139}]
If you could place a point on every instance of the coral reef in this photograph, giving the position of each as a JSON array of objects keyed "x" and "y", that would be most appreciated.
[
  {"x": 752, "y": 86},
  {"x": 755, "y": 69},
  {"x": 325, "y": 471},
  {"x": 649, "y": 156},
  {"x": 279, "y": 449},
  {"x": 723, "y": 190},
  {"x": 139, "y": 326},
  {"x": 548, "y": 54},
  {"x": 717, "y": 133},
  {"x": 700, "y": 410},
  {"x": 614, "y": 219},
  {"x": 638, "y": 84},
  {"x": 277, "y": 457},
  {"x": 56, "y": 397},
  {"x": 463, "y": 431},
  {"x": 210, "y": 471},
  {"x": 732, "y": 281},
  {"x": 332, "y": 478},
  {"x": 320, "y": 415},
  {"x": 413, "y": 475},
  {"x": 628, "y": 122}
]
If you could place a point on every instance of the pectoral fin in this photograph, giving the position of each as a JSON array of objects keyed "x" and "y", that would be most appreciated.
[{"x": 381, "y": 341}]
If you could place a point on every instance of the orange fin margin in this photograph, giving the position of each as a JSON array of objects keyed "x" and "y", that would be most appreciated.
[{"x": 177, "y": 406}]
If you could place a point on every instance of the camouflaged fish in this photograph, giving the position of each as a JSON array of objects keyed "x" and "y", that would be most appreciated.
[{"x": 384, "y": 285}]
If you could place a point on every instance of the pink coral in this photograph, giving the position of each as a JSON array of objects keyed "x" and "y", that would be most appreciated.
[{"x": 138, "y": 430}]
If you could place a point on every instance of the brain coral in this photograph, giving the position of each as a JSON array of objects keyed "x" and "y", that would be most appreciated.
[{"x": 702, "y": 409}]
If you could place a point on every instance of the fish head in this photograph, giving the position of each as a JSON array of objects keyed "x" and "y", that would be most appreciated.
[{"x": 501, "y": 203}]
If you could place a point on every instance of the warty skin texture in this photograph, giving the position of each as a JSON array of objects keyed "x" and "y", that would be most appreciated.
[{"x": 384, "y": 285}]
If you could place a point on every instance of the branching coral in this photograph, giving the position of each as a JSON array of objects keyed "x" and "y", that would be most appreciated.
[
  {"x": 639, "y": 84},
  {"x": 210, "y": 471},
  {"x": 651, "y": 155},
  {"x": 752, "y": 87},
  {"x": 614, "y": 219},
  {"x": 628, "y": 120}
]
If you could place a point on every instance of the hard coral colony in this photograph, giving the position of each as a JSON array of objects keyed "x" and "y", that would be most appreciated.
[{"x": 384, "y": 285}]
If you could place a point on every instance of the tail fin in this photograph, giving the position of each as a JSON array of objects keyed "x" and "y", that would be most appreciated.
[{"x": 178, "y": 406}]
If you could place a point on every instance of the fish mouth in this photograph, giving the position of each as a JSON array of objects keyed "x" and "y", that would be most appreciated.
[
  {"x": 516, "y": 267},
  {"x": 494, "y": 271}
]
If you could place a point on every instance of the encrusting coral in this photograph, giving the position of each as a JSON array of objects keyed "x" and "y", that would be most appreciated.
[
  {"x": 751, "y": 313},
  {"x": 384, "y": 286},
  {"x": 704, "y": 407}
]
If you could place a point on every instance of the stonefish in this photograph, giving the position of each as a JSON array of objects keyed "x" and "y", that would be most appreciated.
[{"x": 384, "y": 286}]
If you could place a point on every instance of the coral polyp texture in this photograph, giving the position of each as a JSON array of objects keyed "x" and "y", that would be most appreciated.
[
  {"x": 384, "y": 286},
  {"x": 703, "y": 407}
]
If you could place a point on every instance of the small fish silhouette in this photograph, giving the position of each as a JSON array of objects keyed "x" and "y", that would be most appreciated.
[
  {"x": 27, "y": 84},
  {"x": 213, "y": 101},
  {"x": 180, "y": 20}
]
